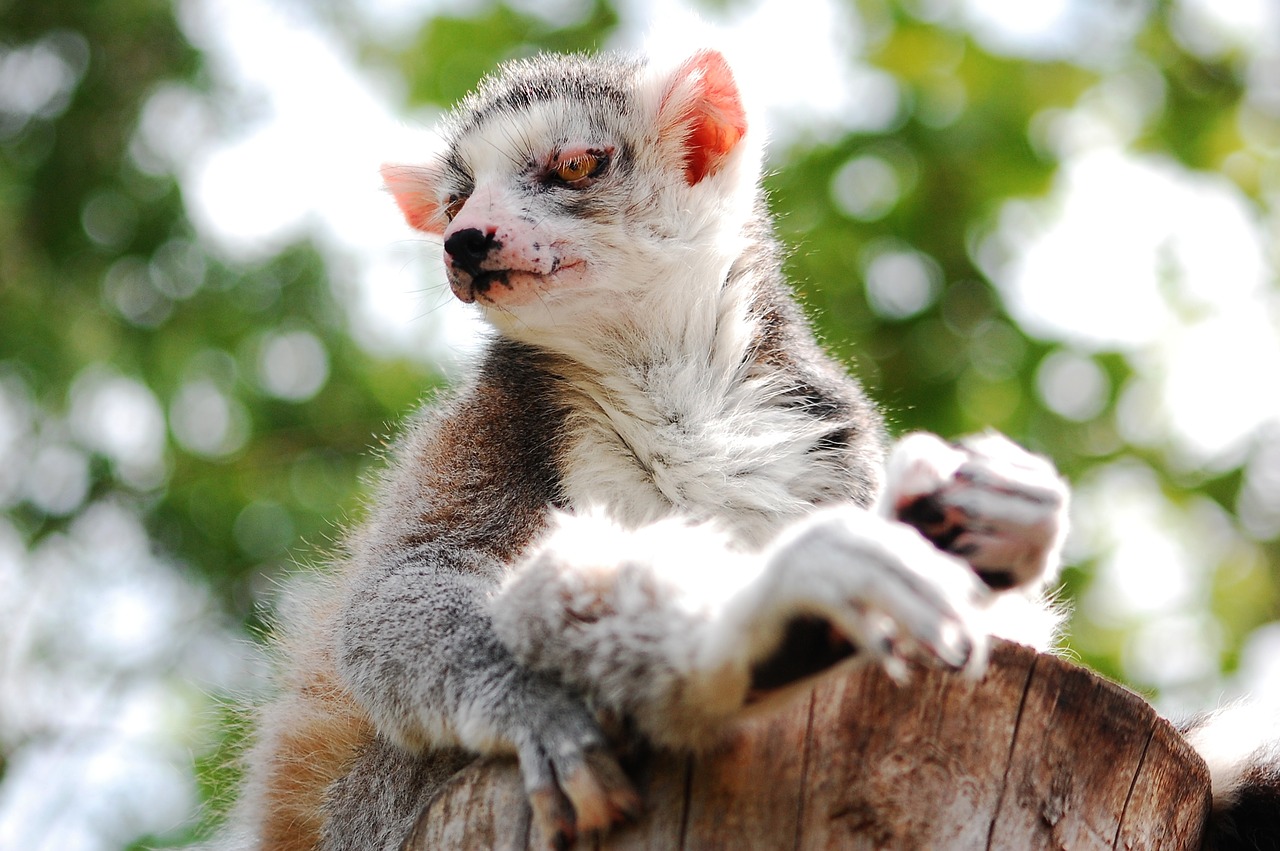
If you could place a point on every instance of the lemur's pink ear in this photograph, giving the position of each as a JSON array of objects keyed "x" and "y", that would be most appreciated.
[
  {"x": 702, "y": 104},
  {"x": 414, "y": 188}
]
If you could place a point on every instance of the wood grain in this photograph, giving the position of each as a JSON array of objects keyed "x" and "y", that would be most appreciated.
[{"x": 1038, "y": 754}]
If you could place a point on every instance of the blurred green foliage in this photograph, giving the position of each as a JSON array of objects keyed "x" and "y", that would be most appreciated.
[
  {"x": 451, "y": 53},
  {"x": 59, "y": 315},
  {"x": 236, "y": 519}
]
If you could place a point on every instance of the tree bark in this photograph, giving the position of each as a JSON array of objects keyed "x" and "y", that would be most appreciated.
[{"x": 1038, "y": 754}]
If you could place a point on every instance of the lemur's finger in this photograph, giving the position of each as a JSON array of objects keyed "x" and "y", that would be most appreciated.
[
  {"x": 553, "y": 814},
  {"x": 919, "y": 465},
  {"x": 890, "y": 628},
  {"x": 883, "y": 637},
  {"x": 625, "y": 803},
  {"x": 1000, "y": 494},
  {"x": 999, "y": 472},
  {"x": 1031, "y": 521},
  {"x": 553, "y": 818},
  {"x": 1002, "y": 560},
  {"x": 600, "y": 792},
  {"x": 894, "y": 613},
  {"x": 947, "y": 640},
  {"x": 952, "y": 645}
]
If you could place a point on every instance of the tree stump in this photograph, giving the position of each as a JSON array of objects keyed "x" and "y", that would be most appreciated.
[{"x": 1039, "y": 753}]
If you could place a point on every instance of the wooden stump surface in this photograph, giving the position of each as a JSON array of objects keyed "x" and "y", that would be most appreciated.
[{"x": 1038, "y": 754}]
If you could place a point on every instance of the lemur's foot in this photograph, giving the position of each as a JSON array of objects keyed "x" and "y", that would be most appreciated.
[
  {"x": 984, "y": 499},
  {"x": 574, "y": 784}
]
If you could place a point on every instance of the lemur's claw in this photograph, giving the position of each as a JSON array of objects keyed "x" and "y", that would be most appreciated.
[{"x": 591, "y": 798}]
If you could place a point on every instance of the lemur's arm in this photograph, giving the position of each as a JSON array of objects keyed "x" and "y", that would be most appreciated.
[
  {"x": 671, "y": 627},
  {"x": 678, "y": 632},
  {"x": 418, "y": 650},
  {"x": 415, "y": 643}
]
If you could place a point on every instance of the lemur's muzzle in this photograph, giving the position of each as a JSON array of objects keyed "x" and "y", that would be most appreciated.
[{"x": 469, "y": 247}]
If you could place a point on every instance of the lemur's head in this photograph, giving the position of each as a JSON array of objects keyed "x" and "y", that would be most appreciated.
[{"x": 565, "y": 180}]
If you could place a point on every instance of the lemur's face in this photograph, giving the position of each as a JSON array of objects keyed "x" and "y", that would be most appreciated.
[
  {"x": 557, "y": 189},
  {"x": 517, "y": 237},
  {"x": 536, "y": 204}
]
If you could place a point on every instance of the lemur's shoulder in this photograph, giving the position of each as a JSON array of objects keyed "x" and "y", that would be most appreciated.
[{"x": 479, "y": 467}]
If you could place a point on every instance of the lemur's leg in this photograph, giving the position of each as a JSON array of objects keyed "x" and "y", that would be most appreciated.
[
  {"x": 376, "y": 804},
  {"x": 984, "y": 499}
]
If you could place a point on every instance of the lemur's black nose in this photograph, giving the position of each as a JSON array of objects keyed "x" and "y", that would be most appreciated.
[{"x": 469, "y": 247}]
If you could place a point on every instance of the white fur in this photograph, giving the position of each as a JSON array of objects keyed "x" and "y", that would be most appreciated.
[
  {"x": 690, "y": 429},
  {"x": 1234, "y": 739},
  {"x": 596, "y": 602}
]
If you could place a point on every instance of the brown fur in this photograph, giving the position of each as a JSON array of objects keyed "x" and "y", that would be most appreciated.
[
  {"x": 316, "y": 738},
  {"x": 306, "y": 739}
]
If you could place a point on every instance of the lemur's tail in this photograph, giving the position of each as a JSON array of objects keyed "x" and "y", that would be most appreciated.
[{"x": 1241, "y": 745}]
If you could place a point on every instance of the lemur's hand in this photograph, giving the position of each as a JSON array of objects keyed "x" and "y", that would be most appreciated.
[
  {"x": 984, "y": 499},
  {"x": 575, "y": 785},
  {"x": 847, "y": 582}
]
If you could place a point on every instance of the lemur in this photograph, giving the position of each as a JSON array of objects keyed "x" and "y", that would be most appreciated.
[{"x": 656, "y": 500}]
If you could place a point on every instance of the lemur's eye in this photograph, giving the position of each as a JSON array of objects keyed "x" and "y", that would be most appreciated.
[
  {"x": 454, "y": 206},
  {"x": 577, "y": 169}
]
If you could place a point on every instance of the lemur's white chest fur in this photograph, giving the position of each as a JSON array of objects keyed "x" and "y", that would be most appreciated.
[{"x": 690, "y": 429}]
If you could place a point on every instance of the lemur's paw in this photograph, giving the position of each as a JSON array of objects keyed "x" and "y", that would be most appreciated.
[
  {"x": 580, "y": 793},
  {"x": 574, "y": 784},
  {"x": 912, "y": 607},
  {"x": 984, "y": 499},
  {"x": 848, "y": 583}
]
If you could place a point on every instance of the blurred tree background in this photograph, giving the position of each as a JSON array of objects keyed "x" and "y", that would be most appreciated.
[{"x": 1057, "y": 220}]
